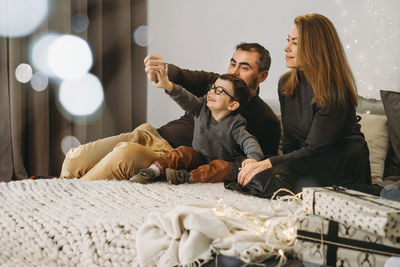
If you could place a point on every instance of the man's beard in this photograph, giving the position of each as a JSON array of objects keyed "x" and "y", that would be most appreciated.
[{"x": 253, "y": 86}]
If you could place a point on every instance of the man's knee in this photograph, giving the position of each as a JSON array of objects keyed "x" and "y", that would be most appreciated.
[
  {"x": 128, "y": 149},
  {"x": 76, "y": 163},
  {"x": 133, "y": 153}
]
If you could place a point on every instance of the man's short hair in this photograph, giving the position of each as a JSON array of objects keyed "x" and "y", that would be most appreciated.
[{"x": 264, "y": 58}]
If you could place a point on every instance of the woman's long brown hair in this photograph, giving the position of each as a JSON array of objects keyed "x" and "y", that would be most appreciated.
[{"x": 323, "y": 61}]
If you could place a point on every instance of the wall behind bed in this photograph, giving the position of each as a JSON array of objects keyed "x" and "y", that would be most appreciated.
[{"x": 202, "y": 35}]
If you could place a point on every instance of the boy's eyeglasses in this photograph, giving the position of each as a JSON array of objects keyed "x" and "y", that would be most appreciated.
[{"x": 219, "y": 89}]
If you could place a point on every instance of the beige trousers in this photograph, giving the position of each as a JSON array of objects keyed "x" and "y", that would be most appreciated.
[{"x": 115, "y": 157}]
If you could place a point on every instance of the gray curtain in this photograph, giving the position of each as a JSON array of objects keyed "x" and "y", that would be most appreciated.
[{"x": 31, "y": 125}]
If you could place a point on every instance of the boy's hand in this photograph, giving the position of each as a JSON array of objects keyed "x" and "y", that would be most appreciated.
[
  {"x": 162, "y": 78},
  {"x": 248, "y": 161},
  {"x": 151, "y": 63}
]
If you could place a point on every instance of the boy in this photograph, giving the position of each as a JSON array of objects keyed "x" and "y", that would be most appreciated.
[{"x": 218, "y": 131}]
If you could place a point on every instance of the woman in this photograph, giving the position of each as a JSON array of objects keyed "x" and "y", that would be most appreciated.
[{"x": 322, "y": 141}]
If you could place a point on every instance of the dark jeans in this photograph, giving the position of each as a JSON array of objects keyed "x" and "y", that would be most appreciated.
[{"x": 345, "y": 164}]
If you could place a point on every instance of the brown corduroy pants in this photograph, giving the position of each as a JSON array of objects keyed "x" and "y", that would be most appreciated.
[{"x": 188, "y": 158}]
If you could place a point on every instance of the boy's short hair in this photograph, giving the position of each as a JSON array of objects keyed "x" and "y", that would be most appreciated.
[
  {"x": 264, "y": 58},
  {"x": 240, "y": 89}
]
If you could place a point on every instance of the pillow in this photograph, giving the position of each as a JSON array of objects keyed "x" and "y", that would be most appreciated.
[
  {"x": 370, "y": 106},
  {"x": 376, "y": 134},
  {"x": 391, "y": 103}
]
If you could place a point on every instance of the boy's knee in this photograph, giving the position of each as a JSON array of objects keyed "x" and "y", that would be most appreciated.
[{"x": 186, "y": 149}]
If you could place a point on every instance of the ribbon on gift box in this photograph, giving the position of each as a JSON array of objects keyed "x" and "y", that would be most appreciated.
[{"x": 334, "y": 241}]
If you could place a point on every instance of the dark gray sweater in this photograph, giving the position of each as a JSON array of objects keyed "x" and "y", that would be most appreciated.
[
  {"x": 212, "y": 139},
  {"x": 308, "y": 129}
]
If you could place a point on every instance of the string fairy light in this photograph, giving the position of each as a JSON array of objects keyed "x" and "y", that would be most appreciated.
[{"x": 276, "y": 226}]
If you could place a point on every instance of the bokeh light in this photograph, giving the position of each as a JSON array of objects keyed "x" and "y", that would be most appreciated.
[
  {"x": 391, "y": 192},
  {"x": 39, "y": 81},
  {"x": 20, "y": 18},
  {"x": 393, "y": 262},
  {"x": 39, "y": 52},
  {"x": 23, "y": 73},
  {"x": 143, "y": 36},
  {"x": 70, "y": 57},
  {"x": 79, "y": 23},
  {"x": 83, "y": 96},
  {"x": 69, "y": 142}
]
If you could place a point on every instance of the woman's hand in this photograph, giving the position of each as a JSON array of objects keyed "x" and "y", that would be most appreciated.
[
  {"x": 162, "y": 80},
  {"x": 250, "y": 170},
  {"x": 247, "y": 161}
]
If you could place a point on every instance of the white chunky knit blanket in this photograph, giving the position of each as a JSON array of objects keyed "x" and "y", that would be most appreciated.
[{"x": 70, "y": 222}]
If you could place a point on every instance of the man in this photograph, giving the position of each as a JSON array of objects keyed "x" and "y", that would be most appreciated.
[{"x": 250, "y": 62}]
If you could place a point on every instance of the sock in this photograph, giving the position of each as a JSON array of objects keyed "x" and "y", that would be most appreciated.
[
  {"x": 188, "y": 176},
  {"x": 157, "y": 168}
]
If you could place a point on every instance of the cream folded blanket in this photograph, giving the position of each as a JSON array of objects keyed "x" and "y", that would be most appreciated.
[
  {"x": 181, "y": 236},
  {"x": 192, "y": 234}
]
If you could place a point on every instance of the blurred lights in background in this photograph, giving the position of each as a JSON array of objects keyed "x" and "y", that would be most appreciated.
[
  {"x": 143, "y": 36},
  {"x": 39, "y": 81},
  {"x": 69, "y": 142},
  {"x": 391, "y": 192},
  {"x": 69, "y": 57},
  {"x": 64, "y": 59},
  {"x": 20, "y": 18},
  {"x": 79, "y": 23},
  {"x": 393, "y": 262},
  {"x": 23, "y": 73},
  {"x": 39, "y": 55},
  {"x": 82, "y": 96}
]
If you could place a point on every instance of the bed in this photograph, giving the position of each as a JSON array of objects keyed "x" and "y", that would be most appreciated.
[{"x": 71, "y": 222}]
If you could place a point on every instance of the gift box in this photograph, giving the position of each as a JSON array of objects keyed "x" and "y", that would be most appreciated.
[
  {"x": 308, "y": 251},
  {"x": 327, "y": 242},
  {"x": 355, "y": 209}
]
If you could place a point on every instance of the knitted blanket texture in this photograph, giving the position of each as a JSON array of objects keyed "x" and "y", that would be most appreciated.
[{"x": 71, "y": 222}]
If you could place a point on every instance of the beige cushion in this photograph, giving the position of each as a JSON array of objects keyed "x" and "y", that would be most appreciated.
[{"x": 376, "y": 134}]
